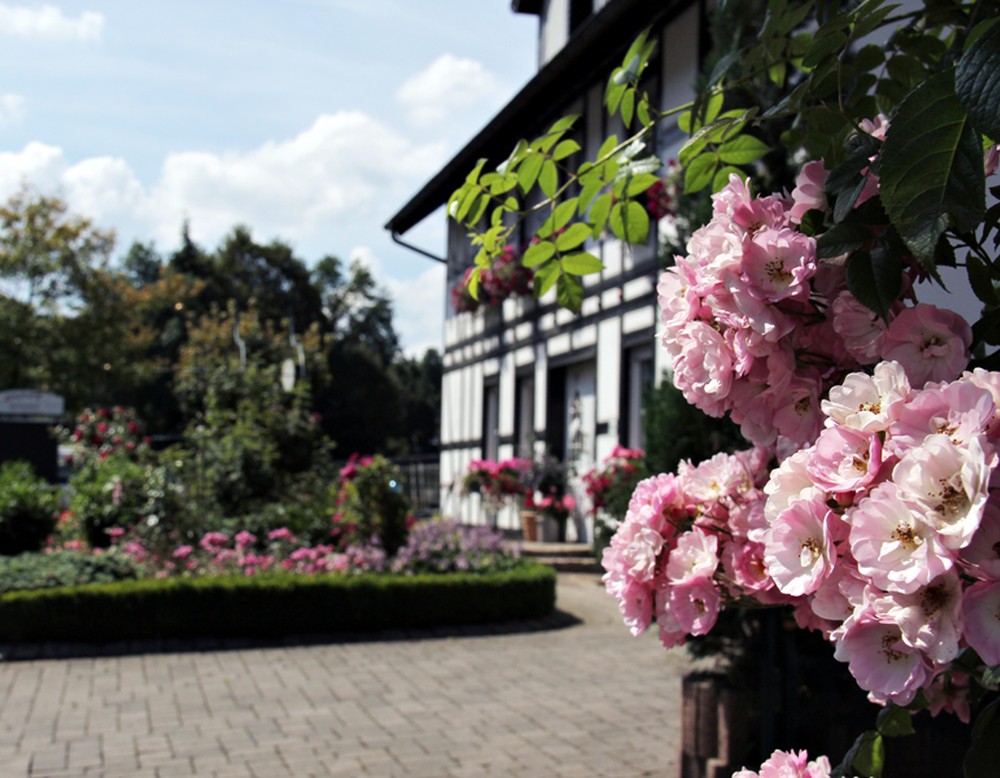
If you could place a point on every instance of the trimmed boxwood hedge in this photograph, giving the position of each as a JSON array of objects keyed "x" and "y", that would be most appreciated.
[{"x": 273, "y": 605}]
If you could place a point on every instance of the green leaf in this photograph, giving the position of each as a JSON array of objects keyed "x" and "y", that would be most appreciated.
[
  {"x": 587, "y": 194},
  {"x": 870, "y": 758},
  {"x": 548, "y": 178},
  {"x": 721, "y": 178},
  {"x": 699, "y": 173},
  {"x": 473, "y": 176},
  {"x": 692, "y": 148},
  {"x": 527, "y": 173},
  {"x": 869, "y": 16},
  {"x": 824, "y": 46},
  {"x": 987, "y": 329},
  {"x": 628, "y": 106},
  {"x": 861, "y": 758},
  {"x": 537, "y": 253},
  {"x": 581, "y": 264},
  {"x": 607, "y": 147},
  {"x": 991, "y": 677},
  {"x": 640, "y": 183},
  {"x": 842, "y": 238},
  {"x": 545, "y": 276},
  {"x": 630, "y": 222},
  {"x": 565, "y": 149},
  {"x": 894, "y": 721},
  {"x": 642, "y": 111},
  {"x": 569, "y": 292},
  {"x": 980, "y": 280},
  {"x": 742, "y": 150},
  {"x": 875, "y": 278},
  {"x": 573, "y": 237},
  {"x": 598, "y": 216},
  {"x": 684, "y": 123},
  {"x": 982, "y": 758},
  {"x": 613, "y": 97},
  {"x": 474, "y": 282},
  {"x": 977, "y": 82},
  {"x": 714, "y": 107},
  {"x": 563, "y": 213},
  {"x": 932, "y": 168}
]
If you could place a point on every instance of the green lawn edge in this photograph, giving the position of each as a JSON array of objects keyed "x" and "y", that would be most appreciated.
[{"x": 274, "y": 605}]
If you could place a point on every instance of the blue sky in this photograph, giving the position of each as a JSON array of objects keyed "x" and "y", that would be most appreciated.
[{"x": 311, "y": 121}]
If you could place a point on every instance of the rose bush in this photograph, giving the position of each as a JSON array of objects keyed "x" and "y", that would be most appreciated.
[{"x": 868, "y": 503}]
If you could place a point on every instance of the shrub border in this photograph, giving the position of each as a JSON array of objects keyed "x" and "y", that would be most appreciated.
[{"x": 273, "y": 605}]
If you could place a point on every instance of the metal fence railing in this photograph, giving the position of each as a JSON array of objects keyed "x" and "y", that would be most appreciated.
[{"x": 421, "y": 476}]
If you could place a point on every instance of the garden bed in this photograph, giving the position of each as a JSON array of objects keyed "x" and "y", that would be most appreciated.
[{"x": 273, "y": 605}]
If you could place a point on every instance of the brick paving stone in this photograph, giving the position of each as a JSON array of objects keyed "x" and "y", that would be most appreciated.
[{"x": 559, "y": 700}]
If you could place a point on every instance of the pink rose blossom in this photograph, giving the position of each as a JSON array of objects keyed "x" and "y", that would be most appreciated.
[
  {"x": 695, "y": 604},
  {"x": 949, "y": 483},
  {"x": 808, "y": 194},
  {"x": 961, "y": 410},
  {"x": 929, "y": 618},
  {"x": 777, "y": 264},
  {"x": 981, "y": 610},
  {"x": 893, "y": 543},
  {"x": 703, "y": 367},
  {"x": 981, "y": 558},
  {"x": 695, "y": 556},
  {"x": 789, "y": 764},
  {"x": 845, "y": 459},
  {"x": 868, "y": 403},
  {"x": 799, "y": 547},
  {"x": 931, "y": 343},
  {"x": 881, "y": 662}
]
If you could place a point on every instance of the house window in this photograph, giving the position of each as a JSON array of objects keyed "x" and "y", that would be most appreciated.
[
  {"x": 638, "y": 382},
  {"x": 491, "y": 420}
]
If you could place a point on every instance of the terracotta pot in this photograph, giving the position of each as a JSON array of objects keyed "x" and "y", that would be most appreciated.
[{"x": 529, "y": 525}]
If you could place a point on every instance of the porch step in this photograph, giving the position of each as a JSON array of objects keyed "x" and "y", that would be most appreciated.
[{"x": 564, "y": 557}]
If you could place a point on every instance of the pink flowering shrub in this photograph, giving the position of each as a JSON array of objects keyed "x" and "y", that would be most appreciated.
[
  {"x": 100, "y": 432},
  {"x": 758, "y": 327},
  {"x": 217, "y": 553},
  {"x": 506, "y": 278},
  {"x": 611, "y": 484},
  {"x": 790, "y": 764},
  {"x": 498, "y": 482}
]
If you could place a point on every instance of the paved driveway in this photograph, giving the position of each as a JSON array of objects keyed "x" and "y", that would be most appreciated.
[{"x": 572, "y": 696}]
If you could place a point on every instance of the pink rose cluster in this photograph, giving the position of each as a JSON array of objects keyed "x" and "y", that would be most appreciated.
[
  {"x": 621, "y": 465},
  {"x": 684, "y": 548},
  {"x": 789, "y": 764},
  {"x": 756, "y": 326},
  {"x": 885, "y": 533},
  {"x": 507, "y": 277}
]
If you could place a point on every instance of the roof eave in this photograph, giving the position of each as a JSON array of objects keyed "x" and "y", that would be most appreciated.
[{"x": 594, "y": 48}]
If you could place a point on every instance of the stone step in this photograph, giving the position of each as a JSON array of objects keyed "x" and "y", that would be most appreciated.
[{"x": 564, "y": 557}]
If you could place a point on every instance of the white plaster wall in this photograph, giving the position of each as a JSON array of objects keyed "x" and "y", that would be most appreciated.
[
  {"x": 609, "y": 364},
  {"x": 554, "y": 30}
]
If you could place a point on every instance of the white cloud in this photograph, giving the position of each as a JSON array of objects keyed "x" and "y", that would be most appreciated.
[
  {"x": 331, "y": 185},
  {"x": 11, "y": 109},
  {"x": 48, "y": 22},
  {"x": 417, "y": 303},
  {"x": 39, "y": 164},
  {"x": 346, "y": 169},
  {"x": 449, "y": 85}
]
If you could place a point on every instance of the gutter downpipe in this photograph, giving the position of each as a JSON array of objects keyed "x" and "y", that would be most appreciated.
[{"x": 397, "y": 239}]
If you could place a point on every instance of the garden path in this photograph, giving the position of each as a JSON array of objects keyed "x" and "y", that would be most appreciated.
[{"x": 570, "y": 696}]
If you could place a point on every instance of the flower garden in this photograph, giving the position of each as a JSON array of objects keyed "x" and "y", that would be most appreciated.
[{"x": 130, "y": 538}]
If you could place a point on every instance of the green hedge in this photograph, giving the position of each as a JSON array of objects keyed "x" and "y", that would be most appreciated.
[{"x": 273, "y": 605}]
